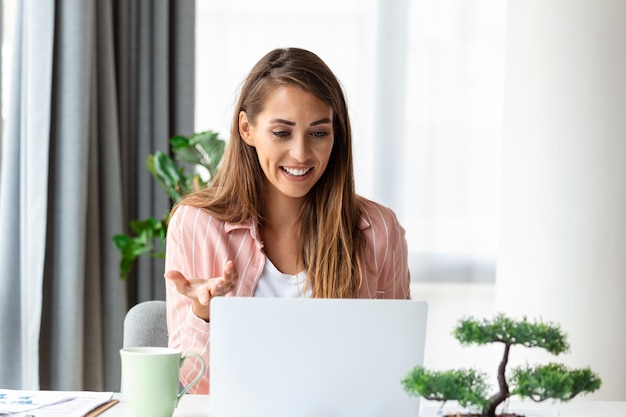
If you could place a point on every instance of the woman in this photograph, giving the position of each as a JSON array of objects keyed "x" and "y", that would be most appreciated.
[{"x": 281, "y": 218}]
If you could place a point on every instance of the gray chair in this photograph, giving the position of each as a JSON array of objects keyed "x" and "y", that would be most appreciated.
[{"x": 145, "y": 325}]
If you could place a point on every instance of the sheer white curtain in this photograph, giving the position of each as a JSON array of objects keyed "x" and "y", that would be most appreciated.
[{"x": 423, "y": 79}]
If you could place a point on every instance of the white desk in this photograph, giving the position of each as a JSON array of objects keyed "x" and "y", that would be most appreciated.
[{"x": 198, "y": 406}]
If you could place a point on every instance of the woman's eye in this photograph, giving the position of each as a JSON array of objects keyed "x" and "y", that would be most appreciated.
[
  {"x": 280, "y": 133},
  {"x": 319, "y": 135}
]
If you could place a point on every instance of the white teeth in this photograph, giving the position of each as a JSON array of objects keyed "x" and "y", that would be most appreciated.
[{"x": 297, "y": 172}]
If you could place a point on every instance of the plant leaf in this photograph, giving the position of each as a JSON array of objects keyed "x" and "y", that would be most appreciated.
[
  {"x": 553, "y": 381},
  {"x": 168, "y": 173},
  {"x": 204, "y": 149}
]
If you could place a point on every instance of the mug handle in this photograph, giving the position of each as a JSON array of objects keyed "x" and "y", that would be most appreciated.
[{"x": 196, "y": 379}]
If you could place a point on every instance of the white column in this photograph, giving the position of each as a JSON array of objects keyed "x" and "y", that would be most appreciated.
[
  {"x": 390, "y": 91},
  {"x": 563, "y": 231}
]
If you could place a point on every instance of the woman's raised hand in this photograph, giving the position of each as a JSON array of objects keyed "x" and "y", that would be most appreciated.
[{"x": 201, "y": 290}]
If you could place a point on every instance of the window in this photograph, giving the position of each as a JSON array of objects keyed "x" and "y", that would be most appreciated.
[{"x": 443, "y": 131}]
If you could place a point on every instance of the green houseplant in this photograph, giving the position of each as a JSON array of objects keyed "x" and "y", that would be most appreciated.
[
  {"x": 203, "y": 152},
  {"x": 539, "y": 383}
]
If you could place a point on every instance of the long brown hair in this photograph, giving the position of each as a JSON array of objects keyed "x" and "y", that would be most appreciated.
[{"x": 330, "y": 244}]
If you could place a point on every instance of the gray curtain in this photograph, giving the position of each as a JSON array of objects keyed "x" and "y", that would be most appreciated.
[
  {"x": 1, "y": 95},
  {"x": 97, "y": 85}
]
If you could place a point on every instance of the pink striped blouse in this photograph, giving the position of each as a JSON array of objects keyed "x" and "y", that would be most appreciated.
[{"x": 198, "y": 245}]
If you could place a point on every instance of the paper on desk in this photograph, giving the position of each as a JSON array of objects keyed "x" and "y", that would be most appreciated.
[{"x": 17, "y": 403}]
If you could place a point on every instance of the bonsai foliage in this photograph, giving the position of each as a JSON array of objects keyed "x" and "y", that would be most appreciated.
[
  {"x": 203, "y": 151},
  {"x": 539, "y": 383}
]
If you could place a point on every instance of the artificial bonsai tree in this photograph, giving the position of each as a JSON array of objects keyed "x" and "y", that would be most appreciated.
[
  {"x": 203, "y": 151},
  {"x": 539, "y": 383}
]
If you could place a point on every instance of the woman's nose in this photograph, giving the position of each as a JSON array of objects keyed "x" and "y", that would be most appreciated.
[{"x": 301, "y": 148}]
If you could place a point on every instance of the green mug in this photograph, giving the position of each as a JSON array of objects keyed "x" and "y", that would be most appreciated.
[{"x": 150, "y": 376}]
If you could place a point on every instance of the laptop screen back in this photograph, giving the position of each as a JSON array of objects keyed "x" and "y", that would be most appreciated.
[{"x": 314, "y": 357}]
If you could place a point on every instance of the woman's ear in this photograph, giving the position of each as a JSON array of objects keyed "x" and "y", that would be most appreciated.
[{"x": 245, "y": 128}]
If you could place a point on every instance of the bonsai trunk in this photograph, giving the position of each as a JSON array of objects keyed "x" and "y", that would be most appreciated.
[{"x": 503, "y": 393}]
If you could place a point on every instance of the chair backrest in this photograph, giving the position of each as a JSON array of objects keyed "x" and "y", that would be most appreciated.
[{"x": 145, "y": 325}]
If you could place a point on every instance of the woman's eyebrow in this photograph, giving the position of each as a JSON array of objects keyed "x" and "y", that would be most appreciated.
[
  {"x": 283, "y": 121},
  {"x": 289, "y": 123},
  {"x": 321, "y": 121}
]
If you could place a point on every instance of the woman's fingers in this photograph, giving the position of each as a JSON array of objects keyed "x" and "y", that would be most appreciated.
[
  {"x": 201, "y": 290},
  {"x": 204, "y": 289},
  {"x": 182, "y": 284},
  {"x": 222, "y": 285},
  {"x": 230, "y": 276},
  {"x": 216, "y": 287}
]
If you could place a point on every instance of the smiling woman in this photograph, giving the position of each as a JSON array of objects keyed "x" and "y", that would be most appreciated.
[{"x": 282, "y": 213}]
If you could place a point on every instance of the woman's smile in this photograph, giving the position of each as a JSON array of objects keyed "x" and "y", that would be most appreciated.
[{"x": 297, "y": 172}]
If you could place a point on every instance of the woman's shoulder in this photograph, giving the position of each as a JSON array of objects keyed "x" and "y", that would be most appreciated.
[
  {"x": 186, "y": 215},
  {"x": 374, "y": 213},
  {"x": 184, "y": 211},
  {"x": 382, "y": 231}
]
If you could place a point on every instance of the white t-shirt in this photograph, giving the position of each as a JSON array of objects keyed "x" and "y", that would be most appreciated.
[{"x": 274, "y": 283}]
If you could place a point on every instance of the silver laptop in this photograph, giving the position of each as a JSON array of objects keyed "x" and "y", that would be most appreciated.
[{"x": 284, "y": 357}]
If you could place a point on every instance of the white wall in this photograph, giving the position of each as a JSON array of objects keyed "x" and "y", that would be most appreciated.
[
  {"x": 447, "y": 304},
  {"x": 563, "y": 231}
]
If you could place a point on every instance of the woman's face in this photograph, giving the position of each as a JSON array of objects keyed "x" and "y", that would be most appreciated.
[{"x": 293, "y": 136}]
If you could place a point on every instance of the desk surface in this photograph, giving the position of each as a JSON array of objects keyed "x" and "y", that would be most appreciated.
[{"x": 198, "y": 406}]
